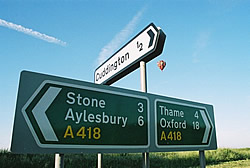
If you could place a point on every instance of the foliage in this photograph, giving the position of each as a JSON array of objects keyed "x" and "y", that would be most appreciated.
[
  {"x": 9, "y": 160},
  {"x": 234, "y": 164},
  {"x": 157, "y": 160}
]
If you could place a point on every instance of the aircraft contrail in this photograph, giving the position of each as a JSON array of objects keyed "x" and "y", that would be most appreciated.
[
  {"x": 31, "y": 32},
  {"x": 119, "y": 38}
]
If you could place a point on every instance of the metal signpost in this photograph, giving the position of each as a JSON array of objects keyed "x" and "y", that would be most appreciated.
[
  {"x": 143, "y": 70},
  {"x": 59, "y": 160}
]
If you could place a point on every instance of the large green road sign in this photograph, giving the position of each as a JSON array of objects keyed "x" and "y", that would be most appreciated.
[
  {"x": 60, "y": 115},
  {"x": 181, "y": 125},
  {"x": 69, "y": 116},
  {"x": 65, "y": 115}
]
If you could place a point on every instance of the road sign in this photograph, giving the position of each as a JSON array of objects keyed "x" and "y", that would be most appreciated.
[
  {"x": 63, "y": 115},
  {"x": 181, "y": 125},
  {"x": 60, "y": 115},
  {"x": 144, "y": 46}
]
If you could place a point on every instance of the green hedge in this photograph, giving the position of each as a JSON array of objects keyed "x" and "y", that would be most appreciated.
[{"x": 157, "y": 160}]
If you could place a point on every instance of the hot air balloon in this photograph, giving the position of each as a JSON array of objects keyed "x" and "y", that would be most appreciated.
[{"x": 161, "y": 64}]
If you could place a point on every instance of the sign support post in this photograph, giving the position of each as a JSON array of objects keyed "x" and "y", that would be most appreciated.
[
  {"x": 145, "y": 156},
  {"x": 99, "y": 160},
  {"x": 59, "y": 160},
  {"x": 202, "y": 159}
]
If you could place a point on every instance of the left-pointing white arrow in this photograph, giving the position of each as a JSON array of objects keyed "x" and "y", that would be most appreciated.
[{"x": 39, "y": 113}]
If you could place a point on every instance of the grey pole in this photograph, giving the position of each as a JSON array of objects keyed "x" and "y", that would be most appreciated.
[
  {"x": 202, "y": 159},
  {"x": 59, "y": 160},
  {"x": 145, "y": 162},
  {"x": 145, "y": 156},
  {"x": 99, "y": 160},
  {"x": 143, "y": 77}
]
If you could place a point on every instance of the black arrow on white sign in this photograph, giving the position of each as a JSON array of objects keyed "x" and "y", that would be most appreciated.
[{"x": 151, "y": 35}]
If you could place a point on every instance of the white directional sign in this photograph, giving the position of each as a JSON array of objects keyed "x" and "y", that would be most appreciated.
[{"x": 144, "y": 46}]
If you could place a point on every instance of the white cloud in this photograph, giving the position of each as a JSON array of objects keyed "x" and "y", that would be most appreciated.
[
  {"x": 31, "y": 32},
  {"x": 200, "y": 44},
  {"x": 119, "y": 38}
]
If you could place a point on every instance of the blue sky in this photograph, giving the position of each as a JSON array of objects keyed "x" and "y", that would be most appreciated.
[{"x": 207, "y": 51}]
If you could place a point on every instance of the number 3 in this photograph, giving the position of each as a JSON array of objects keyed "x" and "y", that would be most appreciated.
[{"x": 140, "y": 107}]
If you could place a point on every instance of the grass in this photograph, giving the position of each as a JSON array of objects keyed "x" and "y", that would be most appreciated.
[
  {"x": 217, "y": 159},
  {"x": 234, "y": 164}
]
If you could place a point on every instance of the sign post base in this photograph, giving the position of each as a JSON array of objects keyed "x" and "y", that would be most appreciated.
[
  {"x": 202, "y": 159},
  {"x": 59, "y": 160}
]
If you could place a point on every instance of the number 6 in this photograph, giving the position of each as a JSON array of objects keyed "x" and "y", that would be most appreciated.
[{"x": 140, "y": 121}]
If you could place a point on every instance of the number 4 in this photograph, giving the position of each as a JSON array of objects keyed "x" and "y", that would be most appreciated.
[{"x": 196, "y": 115}]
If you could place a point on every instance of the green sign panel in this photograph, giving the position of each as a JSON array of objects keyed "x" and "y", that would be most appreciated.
[
  {"x": 181, "y": 125},
  {"x": 60, "y": 115},
  {"x": 64, "y": 115}
]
